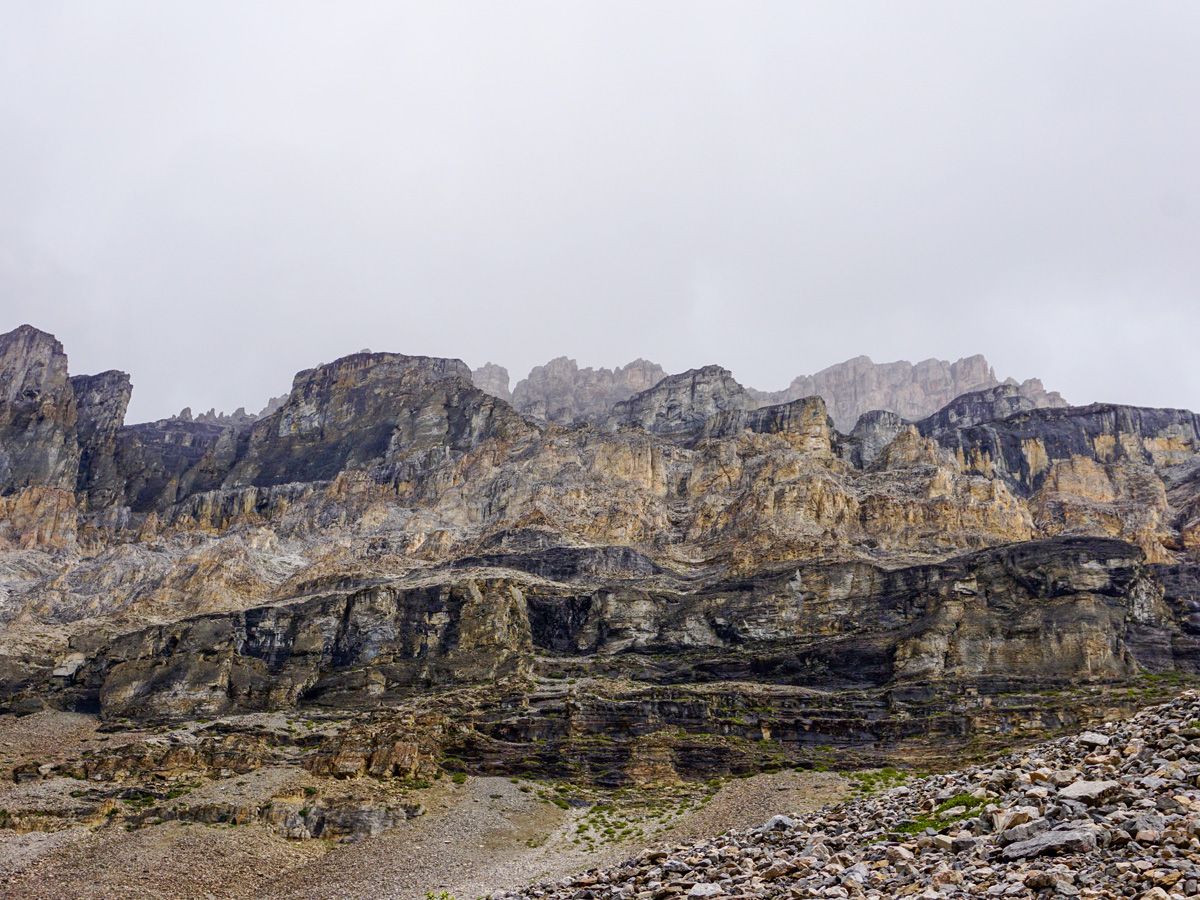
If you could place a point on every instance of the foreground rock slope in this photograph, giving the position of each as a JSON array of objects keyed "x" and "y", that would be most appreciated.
[{"x": 1112, "y": 812}]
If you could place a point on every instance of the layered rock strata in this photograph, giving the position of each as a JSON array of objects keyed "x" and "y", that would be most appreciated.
[{"x": 696, "y": 564}]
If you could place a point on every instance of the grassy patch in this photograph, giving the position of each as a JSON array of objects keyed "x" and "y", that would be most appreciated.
[
  {"x": 872, "y": 781},
  {"x": 938, "y": 819}
]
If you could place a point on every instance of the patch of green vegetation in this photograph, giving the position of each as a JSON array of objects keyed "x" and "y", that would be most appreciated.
[
  {"x": 138, "y": 800},
  {"x": 872, "y": 781},
  {"x": 459, "y": 777},
  {"x": 966, "y": 800},
  {"x": 937, "y": 820},
  {"x": 309, "y": 791}
]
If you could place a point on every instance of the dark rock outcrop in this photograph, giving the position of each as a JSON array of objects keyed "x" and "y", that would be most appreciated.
[
  {"x": 38, "y": 413},
  {"x": 1023, "y": 447},
  {"x": 101, "y": 401},
  {"x": 679, "y": 406},
  {"x": 804, "y": 422},
  {"x": 380, "y": 410},
  {"x": 1041, "y": 611},
  {"x": 344, "y": 649},
  {"x": 974, "y": 408},
  {"x": 872, "y": 433}
]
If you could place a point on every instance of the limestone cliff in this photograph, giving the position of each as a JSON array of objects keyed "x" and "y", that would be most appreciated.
[
  {"x": 678, "y": 406},
  {"x": 858, "y": 385},
  {"x": 101, "y": 401},
  {"x": 38, "y": 413},
  {"x": 562, "y": 392},
  {"x": 391, "y": 531},
  {"x": 492, "y": 379}
]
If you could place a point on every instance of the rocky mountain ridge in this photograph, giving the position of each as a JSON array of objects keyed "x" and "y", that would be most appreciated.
[
  {"x": 561, "y": 392},
  {"x": 697, "y": 584},
  {"x": 685, "y": 585}
]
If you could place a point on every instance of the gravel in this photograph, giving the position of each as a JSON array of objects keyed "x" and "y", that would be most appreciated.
[{"x": 1112, "y": 813}]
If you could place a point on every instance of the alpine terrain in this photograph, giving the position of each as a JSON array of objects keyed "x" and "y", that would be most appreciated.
[{"x": 411, "y": 631}]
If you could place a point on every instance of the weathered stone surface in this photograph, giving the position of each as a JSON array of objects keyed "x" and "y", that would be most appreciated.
[
  {"x": 1025, "y": 448},
  {"x": 356, "y": 648},
  {"x": 101, "y": 401},
  {"x": 702, "y": 567},
  {"x": 872, "y": 434},
  {"x": 1089, "y": 792},
  {"x": 378, "y": 409},
  {"x": 561, "y": 392},
  {"x": 1071, "y": 840},
  {"x": 38, "y": 413},
  {"x": 679, "y": 406},
  {"x": 975, "y": 618},
  {"x": 857, "y": 386},
  {"x": 492, "y": 379}
]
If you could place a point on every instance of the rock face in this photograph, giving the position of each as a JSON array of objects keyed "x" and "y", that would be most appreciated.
[
  {"x": 562, "y": 392},
  {"x": 975, "y": 618},
  {"x": 101, "y": 401},
  {"x": 37, "y": 413},
  {"x": 872, "y": 434},
  {"x": 679, "y": 406},
  {"x": 987, "y": 405},
  {"x": 1025, "y": 448},
  {"x": 378, "y": 409},
  {"x": 369, "y": 644},
  {"x": 492, "y": 379},
  {"x": 684, "y": 581},
  {"x": 859, "y": 385}
]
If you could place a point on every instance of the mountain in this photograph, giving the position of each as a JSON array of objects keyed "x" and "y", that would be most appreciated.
[
  {"x": 562, "y": 392},
  {"x": 859, "y": 385},
  {"x": 684, "y": 585},
  {"x": 492, "y": 379}
]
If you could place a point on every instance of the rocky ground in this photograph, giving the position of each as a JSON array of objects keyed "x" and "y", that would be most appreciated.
[
  {"x": 62, "y": 836},
  {"x": 1113, "y": 812}
]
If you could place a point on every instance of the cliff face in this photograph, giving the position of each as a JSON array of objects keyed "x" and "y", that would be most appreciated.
[
  {"x": 562, "y": 392},
  {"x": 370, "y": 410},
  {"x": 391, "y": 532},
  {"x": 38, "y": 413},
  {"x": 101, "y": 401},
  {"x": 492, "y": 379},
  {"x": 859, "y": 385},
  {"x": 679, "y": 406}
]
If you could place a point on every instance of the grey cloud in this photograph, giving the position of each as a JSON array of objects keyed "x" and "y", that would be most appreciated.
[{"x": 213, "y": 196}]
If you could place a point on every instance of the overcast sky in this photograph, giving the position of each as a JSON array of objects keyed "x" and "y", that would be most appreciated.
[{"x": 214, "y": 195}]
